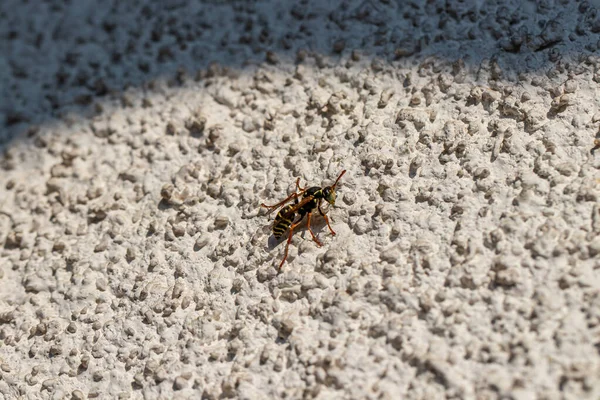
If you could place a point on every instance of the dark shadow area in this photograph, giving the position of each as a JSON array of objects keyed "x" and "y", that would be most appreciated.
[{"x": 61, "y": 56}]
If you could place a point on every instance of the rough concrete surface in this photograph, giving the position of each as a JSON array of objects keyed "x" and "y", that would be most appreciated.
[{"x": 140, "y": 138}]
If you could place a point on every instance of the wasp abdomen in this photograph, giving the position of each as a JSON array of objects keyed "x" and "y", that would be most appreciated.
[{"x": 283, "y": 220}]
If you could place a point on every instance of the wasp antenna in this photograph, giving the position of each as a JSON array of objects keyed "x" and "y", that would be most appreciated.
[{"x": 338, "y": 178}]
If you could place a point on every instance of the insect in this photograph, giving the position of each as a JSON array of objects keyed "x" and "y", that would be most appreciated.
[{"x": 306, "y": 201}]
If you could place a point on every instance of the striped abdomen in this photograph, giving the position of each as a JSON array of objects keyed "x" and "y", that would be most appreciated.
[{"x": 283, "y": 220}]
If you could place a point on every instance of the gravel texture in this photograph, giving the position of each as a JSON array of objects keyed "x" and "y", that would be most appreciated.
[{"x": 140, "y": 137}]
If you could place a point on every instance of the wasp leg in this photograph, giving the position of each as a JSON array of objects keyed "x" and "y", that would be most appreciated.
[
  {"x": 287, "y": 245},
  {"x": 312, "y": 233},
  {"x": 301, "y": 190},
  {"x": 326, "y": 219},
  {"x": 276, "y": 206}
]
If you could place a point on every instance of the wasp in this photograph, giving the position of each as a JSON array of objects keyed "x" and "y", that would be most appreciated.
[{"x": 305, "y": 202}]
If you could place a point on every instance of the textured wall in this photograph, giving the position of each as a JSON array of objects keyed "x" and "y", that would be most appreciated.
[{"x": 140, "y": 139}]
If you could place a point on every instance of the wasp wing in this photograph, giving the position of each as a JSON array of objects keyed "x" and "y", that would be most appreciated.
[{"x": 293, "y": 196}]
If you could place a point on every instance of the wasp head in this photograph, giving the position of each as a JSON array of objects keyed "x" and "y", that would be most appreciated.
[
  {"x": 329, "y": 195},
  {"x": 329, "y": 191}
]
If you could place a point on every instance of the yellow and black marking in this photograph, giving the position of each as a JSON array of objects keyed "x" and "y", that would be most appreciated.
[{"x": 283, "y": 220}]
